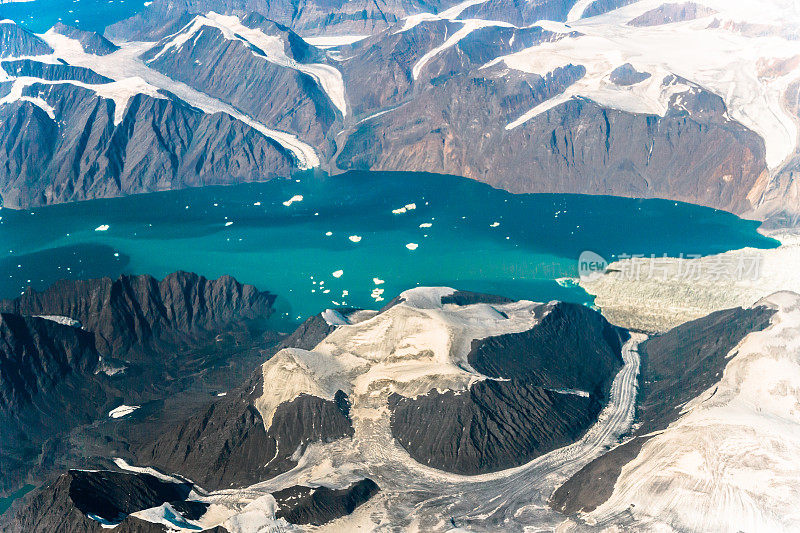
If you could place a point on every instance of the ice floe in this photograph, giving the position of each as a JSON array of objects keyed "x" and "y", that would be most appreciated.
[
  {"x": 122, "y": 410},
  {"x": 293, "y": 199}
]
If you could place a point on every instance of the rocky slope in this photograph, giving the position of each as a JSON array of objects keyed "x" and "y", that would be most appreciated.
[
  {"x": 348, "y": 385},
  {"x": 136, "y": 313},
  {"x": 273, "y": 60},
  {"x": 45, "y": 368},
  {"x": 677, "y": 367},
  {"x": 545, "y": 96},
  {"x": 103, "y": 343},
  {"x": 64, "y": 142}
]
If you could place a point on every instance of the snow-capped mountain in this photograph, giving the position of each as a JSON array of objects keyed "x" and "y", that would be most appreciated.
[
  {"x": 448, "y": 409},
  {"x": 727, "y": 460},
  {"x": 693, "y": 101}
]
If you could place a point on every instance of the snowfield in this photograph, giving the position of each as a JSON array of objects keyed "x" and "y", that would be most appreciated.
[
  {"x": 754, "y": 74},
  {"x": 730, "y": 462}
]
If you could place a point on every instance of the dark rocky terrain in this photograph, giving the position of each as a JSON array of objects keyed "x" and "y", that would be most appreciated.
[
  {"x": 226, "y": 445},
  {"x": 45, "y": 368},
  {"x": 159, "y": 144},
  {"x": 676, "y": 367},
  {"x": 66, "y": 504},
  {"x": 552, "y": 383},
  {"x": 16, "y": 42},
  {"x": 309, "y": 17},
  {"x": 572, "y": 347},
  {"x": 225, "y": 442},
  {"x": 219, "y": 444},
  {"x": 137, "y": 313},
  {"x": 319, "y": 505},
  {"x": 493, "y": 426},
  {"x": 137, "y": 340}
]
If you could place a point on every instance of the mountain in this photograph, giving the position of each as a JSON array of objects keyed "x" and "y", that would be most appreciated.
[
  {"x": 443, "y": 403},
  {"x": 16, "y": 41},
  {"x": 45, "y": 368},
  {"x": 233, "y": 61},
  {"x": 92, "y": 42},
  {"x": 315, "y": 17},
  {"x": 75, "y": 353},
  {"x": 522, "y": 95},
  {"x": 685, "y": 366},
  {"x": 408, "y": 368},
  {"x": 64, "y": 142}
]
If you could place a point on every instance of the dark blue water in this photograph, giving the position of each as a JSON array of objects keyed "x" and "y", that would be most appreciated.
[{"x": 480, "y": 238}]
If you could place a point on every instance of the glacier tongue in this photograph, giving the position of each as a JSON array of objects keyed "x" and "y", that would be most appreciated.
[{"x": 128, "y": 70}]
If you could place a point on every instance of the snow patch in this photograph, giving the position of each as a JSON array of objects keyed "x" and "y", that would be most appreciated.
[
  {"x": 334, "y": 318},
  {"x": 63, "y": 320}
]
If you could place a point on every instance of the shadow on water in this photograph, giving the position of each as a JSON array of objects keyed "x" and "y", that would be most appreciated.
[{"x": 40, "y": 269}]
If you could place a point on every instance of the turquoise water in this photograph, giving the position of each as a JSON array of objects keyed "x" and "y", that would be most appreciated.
[
  {"x": 40, "y": 15},
  {"x": 6, "y": 502},
  {"x": 480, "y": 238}
]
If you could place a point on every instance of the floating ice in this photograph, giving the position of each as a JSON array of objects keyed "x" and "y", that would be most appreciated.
[
  {"x": 405, "y": 208},
  {"x": 295, "y": 198},
  {"x": 257, "y": 203},
  {"x": 494, "y": 224},
  {"x": 425, "y": 225},
  {"x": 412, "y": 246},
  {"x": 122, "y": 410},
  {"x": 328, "y": 233},
  {"x": 377, "y": 281},
  {"x": 104, "y": 227},
  {"x": 355, "y": 238},
  {"x": 337, "y": 274},
  {"x": 228, "y": 224}
]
